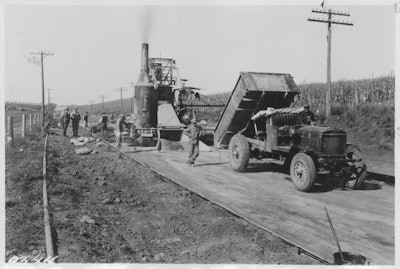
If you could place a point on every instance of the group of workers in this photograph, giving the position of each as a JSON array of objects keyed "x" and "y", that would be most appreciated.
[{"x": 75, "y": 117}]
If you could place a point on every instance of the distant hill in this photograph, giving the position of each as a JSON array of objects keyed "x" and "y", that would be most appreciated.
[{"x": 110, "y": 107}]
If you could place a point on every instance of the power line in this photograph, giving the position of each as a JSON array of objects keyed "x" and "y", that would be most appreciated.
[
  {"x": 42, "y": 56},
  {"x": 121, "y": 89},
  {"x": 329, "y": 21}
]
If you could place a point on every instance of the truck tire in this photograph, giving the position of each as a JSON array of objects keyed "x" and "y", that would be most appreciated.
[
  {"x": 303, "y": 172},
  {"x": 360, "y": 172},
  {"x": 239, "y": 153}
]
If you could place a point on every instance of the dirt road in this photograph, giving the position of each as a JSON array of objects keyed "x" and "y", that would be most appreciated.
[{"x": 364, "y": 219}]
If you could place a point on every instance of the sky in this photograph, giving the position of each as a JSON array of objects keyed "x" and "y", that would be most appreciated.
[{"x": 97, "y": 48}]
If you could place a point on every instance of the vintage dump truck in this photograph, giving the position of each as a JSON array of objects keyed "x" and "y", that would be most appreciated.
[{"x": 260, "y": 121}]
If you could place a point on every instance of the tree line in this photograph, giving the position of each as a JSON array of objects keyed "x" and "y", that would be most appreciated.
[{"x": 21, "y": 106}]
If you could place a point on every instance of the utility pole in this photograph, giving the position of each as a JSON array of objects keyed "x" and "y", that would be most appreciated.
[
  {"x": 102, "y": 101},
  {"x": 132, "y": 103},
  {"x": 48, "y": 96},
  {"x": 329, "y": 21},
  {"x": 120, "y": 89},
  {"x": 133, "y": 91},
  {"x": 42, "y": 56}
]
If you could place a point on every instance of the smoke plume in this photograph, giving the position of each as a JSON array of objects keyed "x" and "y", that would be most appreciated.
[{"x": 146, "y": 23}]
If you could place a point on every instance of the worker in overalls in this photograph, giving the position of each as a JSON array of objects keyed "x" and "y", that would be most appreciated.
[
  {"x": 75, "y": 118},
  {"x": 86, "y": 119},
  {"x": 193, "y": 132},
  {"x": 103, "y": 124},
  {"x": 119, "y": 129},
  {"x": 64, "y": 120}
]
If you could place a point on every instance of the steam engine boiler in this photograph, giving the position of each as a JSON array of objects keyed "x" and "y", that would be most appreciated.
[{"x": 146, "y": 101}]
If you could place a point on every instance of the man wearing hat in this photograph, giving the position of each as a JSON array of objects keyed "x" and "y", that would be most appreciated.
[
  {"x": 86, "y": 119},
  {"x": 193, "y": 132},
  {"x": 65, "y": 118},
  {"x": 103, "y": 124},
  {"x": 75, "y": 117},
  {"x": 306, "y": 116},
  {"x": 119, "y": 128}
]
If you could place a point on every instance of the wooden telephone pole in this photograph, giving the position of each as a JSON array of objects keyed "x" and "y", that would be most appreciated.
[
  {"x": 91, "y": 106},
  {"x": 48, "y": 96},
  {"x": 42, "y": 56},
  {"x": 102, "y": 101},
  {"x": 329, "y": 21},
  {"x": 120, "y": 89}
]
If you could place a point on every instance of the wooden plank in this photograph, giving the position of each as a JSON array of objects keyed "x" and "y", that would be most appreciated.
[{"x": 363, "y": 220}]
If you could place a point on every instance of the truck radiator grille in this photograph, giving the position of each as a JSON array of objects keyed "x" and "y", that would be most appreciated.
[{"x": 333, "y": 144}]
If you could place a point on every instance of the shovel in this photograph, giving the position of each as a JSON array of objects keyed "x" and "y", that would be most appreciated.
[{"x": 334, "y": 235}]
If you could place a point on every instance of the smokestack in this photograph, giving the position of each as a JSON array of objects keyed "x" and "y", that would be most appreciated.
[
  {"x": 145, "y": 58},
  {"x": 146, "y": 103},
  {"x": 144, "y": 67}
]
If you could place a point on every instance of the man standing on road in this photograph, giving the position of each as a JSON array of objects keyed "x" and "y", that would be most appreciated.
[
  {"x": 193, "y": 132},
  {"x": 119, "y": 128},
  {"x": 65, "y": 118},
  {"x": 75, "y": 117},
  {"x": 86, "y": 119}
]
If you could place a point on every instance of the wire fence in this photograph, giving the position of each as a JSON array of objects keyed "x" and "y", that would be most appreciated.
[{"x": 20, "y": 125}]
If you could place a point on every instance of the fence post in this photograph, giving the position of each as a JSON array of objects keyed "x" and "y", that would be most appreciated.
[
  {"x": 10, "y": 130},
  {"x": 23, "y": 125},
  {"x": 356, "y": 97},
  {"x": 30, "y": 122}
]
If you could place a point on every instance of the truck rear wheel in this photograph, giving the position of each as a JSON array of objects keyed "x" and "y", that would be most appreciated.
[
  {"x": 239, "y": 153},
  {"x": 303, "y": 172}
]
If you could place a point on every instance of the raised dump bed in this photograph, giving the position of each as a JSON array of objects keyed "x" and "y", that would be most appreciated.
[{"x": 249, "y": 97}]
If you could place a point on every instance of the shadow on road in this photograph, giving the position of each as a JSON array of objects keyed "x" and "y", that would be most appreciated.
[
  {"x": 370, "y": 185},
  {"x": 266, "y": 167},
  {"x": 207, "y": 164},
  {"x": 138, "y": 151}
]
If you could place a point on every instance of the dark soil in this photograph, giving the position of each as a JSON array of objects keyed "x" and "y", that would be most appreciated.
[{"x": 139, "y": 216}]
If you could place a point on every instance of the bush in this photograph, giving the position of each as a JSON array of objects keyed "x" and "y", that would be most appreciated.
[{"x": 337, "y": 110}]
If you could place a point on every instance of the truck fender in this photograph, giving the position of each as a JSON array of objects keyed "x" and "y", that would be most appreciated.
[
  {"x": 351, "y": 144},
  {"x": 293, "y": 151}
]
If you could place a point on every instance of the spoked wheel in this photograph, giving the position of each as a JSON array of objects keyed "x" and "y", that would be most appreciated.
[
  {"x": 303, "y": 172},
  {"x": 359, "y": 169},
  {"x": 239, "y": 153}
]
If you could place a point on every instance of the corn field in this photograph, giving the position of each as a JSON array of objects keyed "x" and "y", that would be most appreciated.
[{"x": 351, "y": 93}]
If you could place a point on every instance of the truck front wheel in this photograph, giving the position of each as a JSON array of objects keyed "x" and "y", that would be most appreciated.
[
  {"x": 303, "y": 172},
  {"x": 239, "y": 153},
  {"x": 359, "y": 168}
]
